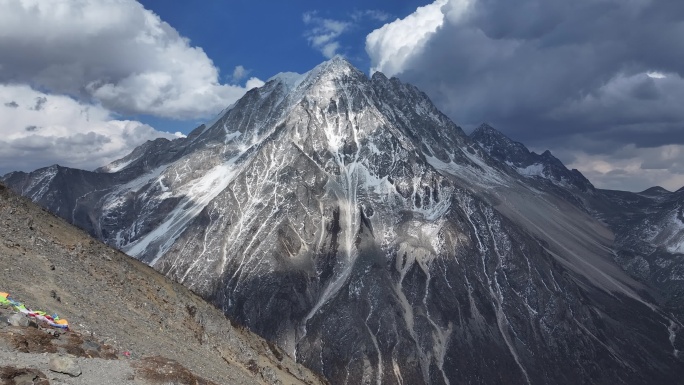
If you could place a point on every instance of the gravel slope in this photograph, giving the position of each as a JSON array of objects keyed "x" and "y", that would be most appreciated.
[{"x": 110, "y": 297}]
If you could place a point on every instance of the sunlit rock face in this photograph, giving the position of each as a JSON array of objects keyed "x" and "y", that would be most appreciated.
[{"x": 348, "y": 220}]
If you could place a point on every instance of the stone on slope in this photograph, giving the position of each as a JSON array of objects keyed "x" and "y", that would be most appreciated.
[
  {"x": 65, "y": 364},
  {"x": 18, "y": 319}
]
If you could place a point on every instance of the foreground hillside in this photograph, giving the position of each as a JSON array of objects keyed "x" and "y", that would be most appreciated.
[{"x": 120, "y": 306}]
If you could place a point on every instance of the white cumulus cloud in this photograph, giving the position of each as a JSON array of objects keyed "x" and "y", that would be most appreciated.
[
  {"x": 324, "y": 33},
  {"x": 391, "y": 45},
  {"x": 114, "y": 51},
  {"x": 37, "y": 130}
]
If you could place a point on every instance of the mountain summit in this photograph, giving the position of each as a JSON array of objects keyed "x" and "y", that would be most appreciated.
[
  {"x": 350, "y": 221},
  {"x": 526, "y": 163}
]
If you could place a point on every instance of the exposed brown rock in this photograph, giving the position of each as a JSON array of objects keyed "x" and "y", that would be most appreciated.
[{"x": 160, "y": 370}]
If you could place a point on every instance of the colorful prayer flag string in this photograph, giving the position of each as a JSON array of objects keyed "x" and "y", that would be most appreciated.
[{"x": 52, "y": 320}]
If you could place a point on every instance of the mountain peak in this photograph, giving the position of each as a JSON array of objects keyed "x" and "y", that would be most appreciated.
[
  {"x": 526, "y": 163},
  {"x": 499, "y": 145},
  {"x": 485, "y": 128},
  {"x": 547, "y": 154},
  {"x": 655, "y": 190},
  {"x": 338, "y": 61},
  {"x": 335, "y": 68},
  {"x": 337, "y": 64},
  {"x": 485, "y": 133}
]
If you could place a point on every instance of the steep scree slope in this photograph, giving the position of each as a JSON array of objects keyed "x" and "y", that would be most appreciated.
[{"x": 108, "y": 296}]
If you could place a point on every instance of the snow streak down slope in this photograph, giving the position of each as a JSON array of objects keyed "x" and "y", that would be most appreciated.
[{"x": 353, "y": 223}]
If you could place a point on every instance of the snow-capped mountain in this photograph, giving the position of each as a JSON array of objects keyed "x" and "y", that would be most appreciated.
[{"x": 350, "y": 221}]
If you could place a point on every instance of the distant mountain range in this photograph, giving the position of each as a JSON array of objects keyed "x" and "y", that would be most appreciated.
[{"x": 354, "y": 224}]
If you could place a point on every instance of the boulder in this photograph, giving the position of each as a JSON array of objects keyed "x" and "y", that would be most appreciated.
[
  {"x": 18, "y": 319},
  {"x": 26, "y": 379},
  {"x": 65, "y": 364}
]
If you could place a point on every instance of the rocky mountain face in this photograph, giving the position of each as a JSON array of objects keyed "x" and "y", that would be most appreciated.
[
  {"x": 648, "y": 226},
  {"x": 348, "y": 220},
  {"x": 544, "y": 168},
  {"x": 649, "y": 238}
]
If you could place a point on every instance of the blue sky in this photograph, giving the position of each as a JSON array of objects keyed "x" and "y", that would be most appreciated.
[
  {"x": 268, "y": 37},
  {"x": 600, "y": 83}
]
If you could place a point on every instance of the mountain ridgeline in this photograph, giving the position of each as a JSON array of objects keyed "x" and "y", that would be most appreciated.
[{"x": 348, "y": 220}]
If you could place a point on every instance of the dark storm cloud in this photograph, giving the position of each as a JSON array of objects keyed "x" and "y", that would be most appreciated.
[
  {"x": 12, "y": 104},
  {"x": 548, "y": 72},
  {"x": 577, "y": 66}
]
